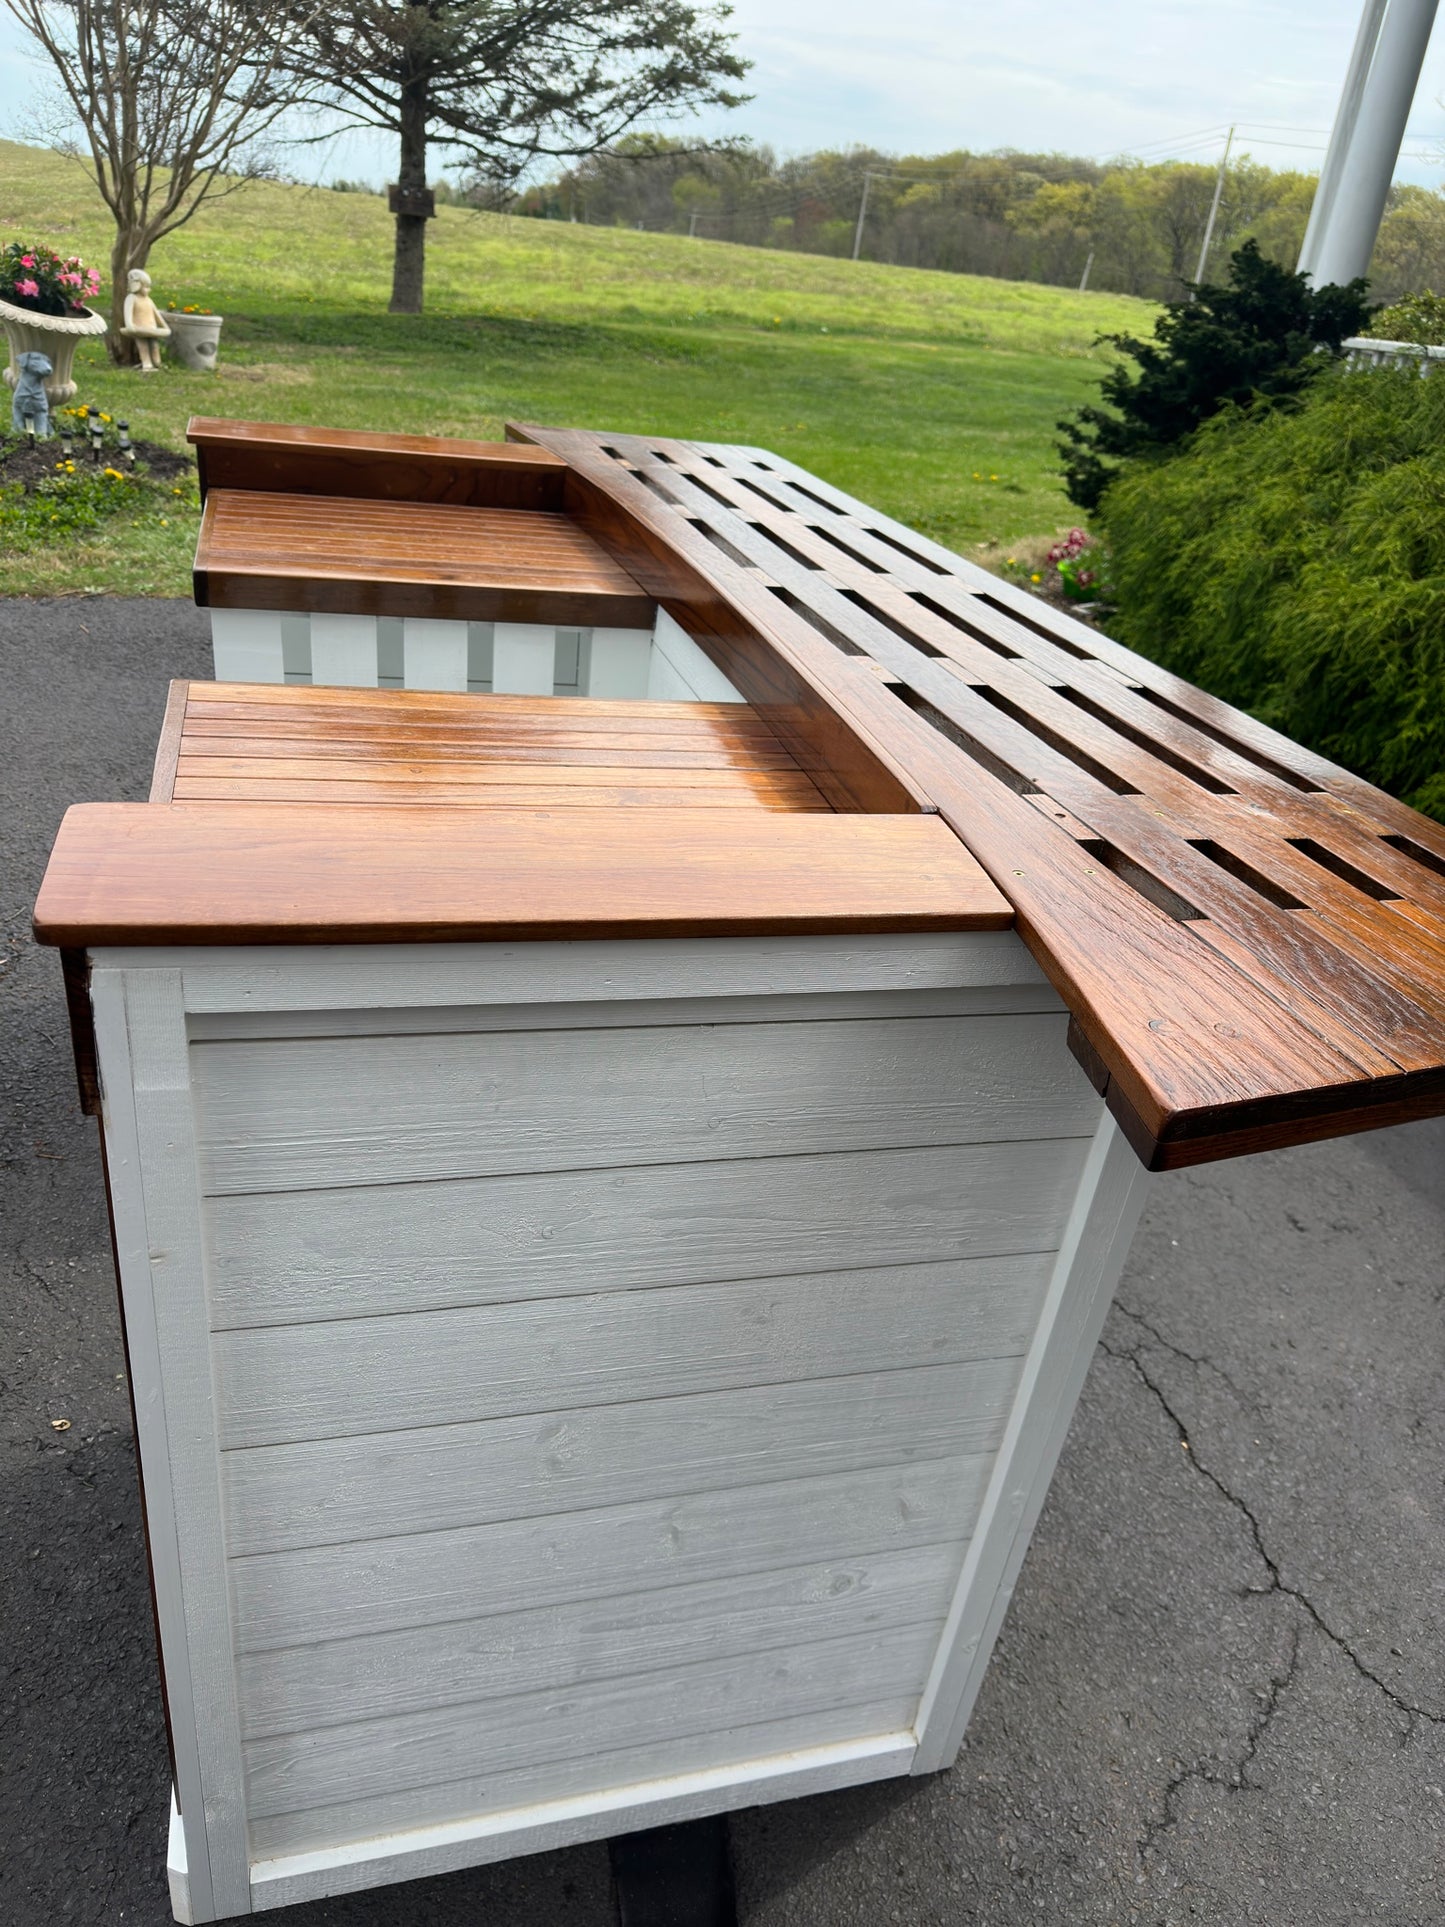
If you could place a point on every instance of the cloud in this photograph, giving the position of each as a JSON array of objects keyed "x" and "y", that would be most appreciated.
[{"x": 925, "y": 76}]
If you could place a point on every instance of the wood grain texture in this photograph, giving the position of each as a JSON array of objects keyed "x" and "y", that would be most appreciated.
[
  {"x": 770, "y": 1762},
  {"x": 711, "y": 1699},
  {"x": 435, "y": 1478},
  {"x": 1251, "y": 941},
  {"x": 299, "y": 1115},
  {"x": 145, "y": 873},
  {"x": 557, "y": 1649},
  {"x": 280, "y": 1384},
  {"x": 295, "y": 1257},
  {"x": 335, "y": 554},
  {"x": 398, "y": 1835},
  {"x": 274, "y": 456},
  {"x": 366, "y": 1587}
]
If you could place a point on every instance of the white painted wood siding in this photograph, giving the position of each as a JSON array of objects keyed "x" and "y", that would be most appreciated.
[
  {"x": 424, "y": 652},
  {"x": 598, "y": 1359}
]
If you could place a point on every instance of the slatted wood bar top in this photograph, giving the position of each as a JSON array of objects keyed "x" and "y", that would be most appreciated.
[
  {"x": 356, "y": 555},
  {"x": 268, "y": 743},
  {"x": 252, "y": 873},
  {"x": 1251, "y": 940}
]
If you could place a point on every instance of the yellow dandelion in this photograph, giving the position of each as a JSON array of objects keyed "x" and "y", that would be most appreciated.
[
  {"x": 1010, "y": 560},
  {"x": 993, "y": 478},
  {"x": 1036, "y": 577},
  {"x": 165, "y": 525},
  {"x": 114, "y": 474},
  {"x": 104, "y": 417},
  {"x": 976, "y": 476}
]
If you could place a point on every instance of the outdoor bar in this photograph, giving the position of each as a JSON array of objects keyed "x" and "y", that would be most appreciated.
[{"x": 629, "y": 1042}]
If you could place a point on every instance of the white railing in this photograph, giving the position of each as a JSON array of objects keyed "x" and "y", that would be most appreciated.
[
  {"x": 1362, "y": 352},
  {"x": 501, "y": 658}
]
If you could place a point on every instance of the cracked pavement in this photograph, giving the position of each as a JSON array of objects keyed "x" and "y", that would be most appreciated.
[{"x": 1219, "y": 1695}]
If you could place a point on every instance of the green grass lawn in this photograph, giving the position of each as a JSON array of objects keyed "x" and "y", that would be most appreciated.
[{"x": 933, "y": 396}]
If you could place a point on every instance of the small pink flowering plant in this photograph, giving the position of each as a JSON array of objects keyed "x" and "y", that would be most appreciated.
[
  {"x": 39, "y": 278},
  {"x": 1082, "y": 565}
]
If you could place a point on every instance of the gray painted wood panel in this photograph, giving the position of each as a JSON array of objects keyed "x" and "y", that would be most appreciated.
[
  {"x": 285, "y": 1382},
  {"x": 737, "y": 1767},
  {"x": 328, "y": 1490},
  {"x": 305, "y": 1113},
  {"x": 372, "y": 1586},
  {"x": 986, "y": 1000},
  {"x": 714, "y": 1697},
  {"x": 556, "y": 1648},
  {"x": 293, "y": 1257},
  {"x": 378, "y": 976}
]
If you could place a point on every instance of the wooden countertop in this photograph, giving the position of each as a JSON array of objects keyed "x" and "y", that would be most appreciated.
[
  {"x": 270, "y": 743},
  {"x": 1251, "y": 939},
  {"x": 250, "y": 873},
  {"x": 260, "y": 549}
]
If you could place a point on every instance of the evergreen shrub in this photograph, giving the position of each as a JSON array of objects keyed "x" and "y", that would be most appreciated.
[{"x": 1293, "y": 563}]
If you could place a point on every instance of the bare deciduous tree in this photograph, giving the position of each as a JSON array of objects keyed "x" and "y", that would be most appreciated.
[{"x": 173, "y": 99}]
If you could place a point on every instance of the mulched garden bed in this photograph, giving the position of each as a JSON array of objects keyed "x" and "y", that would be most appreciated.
[{"x": 19, "y": 462}]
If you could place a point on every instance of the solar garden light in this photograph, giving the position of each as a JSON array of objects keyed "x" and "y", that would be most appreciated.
[
  {"x": 97, "y": 431},
  {"x": 67, "y": 441},
  {"x": 127, "y": 446}
]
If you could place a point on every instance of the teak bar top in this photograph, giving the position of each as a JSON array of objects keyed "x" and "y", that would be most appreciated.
[
  {"x": 264, "y": 743},
  {"x": 1250, "y": 939},
  {"x": 260, "y": 549},
  {"x": 252, "y": 873}
]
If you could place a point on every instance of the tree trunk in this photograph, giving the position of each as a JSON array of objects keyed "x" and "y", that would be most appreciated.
[
  {"x": 130, "y": 250},
  {"x": 409, "y": 263}
]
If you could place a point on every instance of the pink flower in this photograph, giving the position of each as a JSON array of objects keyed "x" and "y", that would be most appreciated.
[
  {"x": 71, "y": 280},
  {"x": 27, "y": 260},
  {"x": 27, "y": 287}
]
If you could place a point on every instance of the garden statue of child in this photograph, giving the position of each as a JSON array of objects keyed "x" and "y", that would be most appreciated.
[
  {"x": 31, "y": 406},
  {"x": 144, "y": 324}
]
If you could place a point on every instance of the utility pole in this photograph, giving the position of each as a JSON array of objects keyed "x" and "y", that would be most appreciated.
[
  {"x": 692, "y": 225},
  {"x": 862, "y": 210},
  {"x": 1084, "y": 277},
  {"x": 1364, "y": 147},
  {"x": 1213, "y": 210}
]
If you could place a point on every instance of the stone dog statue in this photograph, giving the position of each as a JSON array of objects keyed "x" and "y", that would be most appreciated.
[{"x": 30, "y": 396}]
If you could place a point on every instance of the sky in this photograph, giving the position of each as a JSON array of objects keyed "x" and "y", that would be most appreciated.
[{"x": 1158, "y": 78}]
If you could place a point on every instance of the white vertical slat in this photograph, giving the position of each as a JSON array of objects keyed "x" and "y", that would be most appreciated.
[
  {"x": 570, "y": 665},
  {"x": 479, "y": 656},
  {"x": 677, "y": 658},
  {"x": 436, "y": 654},
  {"x": 141, "y": 1037},
  {"x": 524, "y": 658},
  {"x": 1096, "y": 1242},
  {"x": 247, "y": 645},
  {"x": 390, "y": 652},
  {"x": 343, "y": 650},
  {"x": 296, "y": 646},
  {"x": 619, "y": 663}
]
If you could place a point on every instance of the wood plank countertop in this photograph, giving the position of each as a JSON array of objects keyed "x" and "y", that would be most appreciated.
[
  {"x": 269, "y": 743},
  {"x": 260, "y": 549},
  {"x": 254, "y": 873},
  {"x": 1251, "y": 940}
]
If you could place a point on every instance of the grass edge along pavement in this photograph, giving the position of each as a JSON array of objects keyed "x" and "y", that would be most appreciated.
[{"x": 933, "y": 396}]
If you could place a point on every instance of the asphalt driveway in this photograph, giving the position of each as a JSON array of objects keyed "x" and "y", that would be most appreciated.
[{"x": 1220, "y": 1692}]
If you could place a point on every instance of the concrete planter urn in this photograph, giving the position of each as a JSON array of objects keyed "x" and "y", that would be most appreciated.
[
  {"x": 27, "y": 332},
  {"x": 195, "y": 339}
]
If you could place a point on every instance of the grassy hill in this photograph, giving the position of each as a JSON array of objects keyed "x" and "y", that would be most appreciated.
[{"x": 932, "y": 395}]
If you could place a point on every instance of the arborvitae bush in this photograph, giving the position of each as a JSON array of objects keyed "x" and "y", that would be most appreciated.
[
  {"x": 1256, "y": 340},
  {"x": 1293, "y": 562}
]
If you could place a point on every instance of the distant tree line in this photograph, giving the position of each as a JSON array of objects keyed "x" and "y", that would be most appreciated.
[{"x": 1025, "y": 217}]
